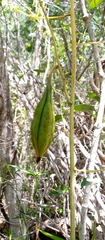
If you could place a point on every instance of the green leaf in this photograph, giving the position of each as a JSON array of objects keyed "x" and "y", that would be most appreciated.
[
  {"x": 59, "y": 117},
  {"x": 29, "y": 172},
  {"x": 83, "y": 183},
  {"x": 51, "y": 235},
  {"x": 83, "y": 107},
  {"x": 93, "y": 96},
  {"x": 55, "y": 192},
  {"x": 94, "y": 3},
  {"x": 64, "y": 188},
  {"x": 94, "y": 115},
  {"x": 94, "y": 231},
  {"x": 36, "y": 186},
  {"x": 39, "y": 70}
]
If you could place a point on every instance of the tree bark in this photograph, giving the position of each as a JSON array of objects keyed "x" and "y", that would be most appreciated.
[{"x": 11, "y": 183}]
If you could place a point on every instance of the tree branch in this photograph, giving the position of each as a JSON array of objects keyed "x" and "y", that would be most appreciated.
[
  {"x": 98, "y": 124},
  {"x": 87, "y": 19}
]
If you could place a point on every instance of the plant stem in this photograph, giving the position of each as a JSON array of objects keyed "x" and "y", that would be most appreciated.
[
  {"x": 72, "y": 164},
  {"x": 55, "y": 48}
]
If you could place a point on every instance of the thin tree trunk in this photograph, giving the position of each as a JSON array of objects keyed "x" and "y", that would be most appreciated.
[
  {"x": 11, "y": 181},
  {"x": 37, "y": 50}
]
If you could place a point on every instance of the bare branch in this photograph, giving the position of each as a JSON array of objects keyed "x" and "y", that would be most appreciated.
[
  {"x": 98, "y": 124},
  {"x": 87, "y": 19}
]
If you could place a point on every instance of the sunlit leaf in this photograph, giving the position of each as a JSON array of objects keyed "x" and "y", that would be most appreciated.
[
  {"x": 94, "y": 115},
  {"x": 94, "y": 3},
  {"x": 51, "y": 235},
  {"x": 83, "y": 107},
  {"x": 93, "y": 96},
  {"x": 64, "y": 188}
]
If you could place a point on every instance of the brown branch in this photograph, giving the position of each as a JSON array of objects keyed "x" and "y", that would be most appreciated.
[
  {"x": 98, "y": 124},
  {"x": 87, "y": 19},
  {"x": 101, "y": 155},
  {"x": 94, "y": 87},
  {"x": 67, "y": 50},
  {"x": 102, "y": 23},
  {"x": 87, "y": 65}
]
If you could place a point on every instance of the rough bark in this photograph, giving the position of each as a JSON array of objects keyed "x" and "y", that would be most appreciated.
[
  {"x": 37, "y": 50},
  {"x": 11, "y": 183}
]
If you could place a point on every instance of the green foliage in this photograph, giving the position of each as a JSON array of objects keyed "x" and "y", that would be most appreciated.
[
  {"x": 95, "y": 181},
  {"x": 51, "y": 235},
  {"x": 94, "y": 96},
  {"x": 83, "y": 107},
  {"x": 20, "y": 35},
  {"x": 58, "y": 192},
  {"x": 94, "y": 231},
  {"x": 94, "y": 3},
  {"x": 59, "y": 117},
  {"x": 28, "y": 172},
  {"x": 83, "y": 183}
]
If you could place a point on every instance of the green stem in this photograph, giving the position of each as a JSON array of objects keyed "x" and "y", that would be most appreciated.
[
  {"x": 72, "y": 163},
  {"x": 55, "y": 48},
  {"x": 49, "y": 82},
  {"x": 52, "y": 70}
]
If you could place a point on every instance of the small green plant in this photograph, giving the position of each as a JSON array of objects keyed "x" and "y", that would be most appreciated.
[{"x": 51, "y": 235}]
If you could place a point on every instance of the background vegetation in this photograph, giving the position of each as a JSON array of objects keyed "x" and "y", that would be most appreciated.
[{"x": 29, "y": 52}]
